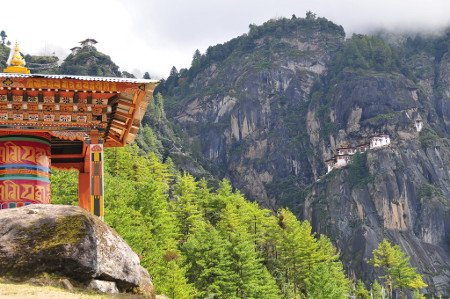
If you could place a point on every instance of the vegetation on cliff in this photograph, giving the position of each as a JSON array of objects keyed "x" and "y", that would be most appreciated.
[
  {"x": 42, "y": 64},
  {"x": 4, "y": 53},
  {"x": 177, "y": 86},
  {"x": 398, "y": 274},
  {"x": 89, "y": 62}
]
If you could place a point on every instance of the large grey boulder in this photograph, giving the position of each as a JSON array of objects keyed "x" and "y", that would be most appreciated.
[{"x": 67, "y": 241}]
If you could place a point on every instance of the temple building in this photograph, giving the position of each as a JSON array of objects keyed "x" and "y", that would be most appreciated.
[
  {"x": 65, "y": 122},
  {"x": 344, "y": 153},
  {"x": 89, "y": 42},
  {"x": 418, "y": 124},
  {"x": 379, "y": 141}
]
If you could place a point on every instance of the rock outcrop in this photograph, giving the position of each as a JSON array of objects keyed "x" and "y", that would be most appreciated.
[
  {"x": 89, "y": 62},
  {"x": 67, "y": 241}
]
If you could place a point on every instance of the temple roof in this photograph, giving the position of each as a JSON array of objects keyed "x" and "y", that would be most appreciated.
[
  {"x": 72, "y": 107},
  {"x": 83, "y": 78},
  {"x": 89, "y": 40}
]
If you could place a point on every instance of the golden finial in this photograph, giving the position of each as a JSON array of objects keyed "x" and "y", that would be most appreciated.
[{"x": 17, "y": 63}]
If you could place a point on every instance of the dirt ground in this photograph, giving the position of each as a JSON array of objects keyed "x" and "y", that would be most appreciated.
[{"x": 27, "y": 291}]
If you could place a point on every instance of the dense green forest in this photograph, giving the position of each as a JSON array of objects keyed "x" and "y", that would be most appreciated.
[
  {"x": 202, "y": 243},
  {"x": 197, "y": 243}
]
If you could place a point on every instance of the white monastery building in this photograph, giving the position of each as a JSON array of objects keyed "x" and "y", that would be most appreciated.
[
  {"x": 419, "y": 125},
  {"x": 379, "y": 141},
  {"x": 343, "y": 156}
]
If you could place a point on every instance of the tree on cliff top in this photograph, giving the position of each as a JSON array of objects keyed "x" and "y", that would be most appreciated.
[
  {"x": 395, "y": 264},
  {"x": 3, "y": 36}
]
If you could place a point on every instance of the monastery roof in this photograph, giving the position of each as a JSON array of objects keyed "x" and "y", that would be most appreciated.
[
  {"x": 82, "y": 78},
  {"x": 89, "y": 40},
  {"x": 69, "y": 106}
]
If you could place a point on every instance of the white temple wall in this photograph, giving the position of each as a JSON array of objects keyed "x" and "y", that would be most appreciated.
[{"x": 419, "y": 125}]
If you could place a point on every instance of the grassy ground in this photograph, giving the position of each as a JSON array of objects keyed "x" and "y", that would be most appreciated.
[{"x": 9, "y": 290}]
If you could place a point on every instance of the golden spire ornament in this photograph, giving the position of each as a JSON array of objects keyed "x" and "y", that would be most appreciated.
[{"x": 16, "y": 63}]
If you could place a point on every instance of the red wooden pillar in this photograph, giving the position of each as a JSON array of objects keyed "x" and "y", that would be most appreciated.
[
  {"x": 90, "y": 180},
  {"x": 96, "y": 179},
  {"x": 84, "y": 182},
  {"x": 84, "y": 190}
]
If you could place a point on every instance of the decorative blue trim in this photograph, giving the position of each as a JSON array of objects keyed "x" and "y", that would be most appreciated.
[{"x": 27, "y": 166}]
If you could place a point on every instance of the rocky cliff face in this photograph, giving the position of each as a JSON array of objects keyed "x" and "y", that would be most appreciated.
[
  {"x": 268, "y": 118},
  {"x": 245, "y": 116},
  {"x": 400, "y": 191}
]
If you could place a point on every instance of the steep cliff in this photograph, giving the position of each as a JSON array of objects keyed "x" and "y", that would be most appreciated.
[
  {"x": 268, "y": 109},
  {"x": 244, "y": 113},
  {"x": 400, "y": 191}
]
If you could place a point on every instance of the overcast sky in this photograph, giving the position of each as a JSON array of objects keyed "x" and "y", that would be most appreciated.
[{"x": 150, "y": 35}]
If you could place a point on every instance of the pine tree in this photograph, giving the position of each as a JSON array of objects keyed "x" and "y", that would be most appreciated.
[
  {"x": 174, "y": 72},
  {"x": 185, "y": 206},
  {"x": 146, "y": 76},
  {"x": 304, "y": 260},
  {"x": 149, "y": 142},
  {"x": 196, "y": 58},
  {"x": 3, "y": 36},
  {"x": 324, "y": 285},
  {"x": 377, "y": 290},
  {"x": 209, "y": 263},
  {"x": 175, "y": 284},
  {"x": 361, "y": 292},
  {"x": 395, "y": 264},
  {"x": 252, "y": 279},
  {"x": 299, "y": 251},
  {"x": 217, "y": 202},
  {"x": 156, "y": 109}
]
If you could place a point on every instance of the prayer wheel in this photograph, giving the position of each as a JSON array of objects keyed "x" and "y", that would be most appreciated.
[{"x": 24, "y": 170}]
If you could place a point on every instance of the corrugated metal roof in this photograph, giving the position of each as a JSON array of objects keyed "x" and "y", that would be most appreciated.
[{"x": 83, "y": 78}]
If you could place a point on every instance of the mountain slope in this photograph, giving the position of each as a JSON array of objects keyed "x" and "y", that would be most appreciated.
[
  {"x": 268, "y": 109},
  {"x": 238, "y": 110}
]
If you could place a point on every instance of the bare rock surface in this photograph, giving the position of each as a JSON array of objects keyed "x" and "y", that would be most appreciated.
[
  {"x": 103, "y": 286},
  {"x": 67, "y": 241}
]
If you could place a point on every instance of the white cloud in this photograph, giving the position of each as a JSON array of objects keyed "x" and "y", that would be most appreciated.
[{"x": 150, "y": 35}]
